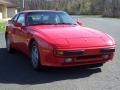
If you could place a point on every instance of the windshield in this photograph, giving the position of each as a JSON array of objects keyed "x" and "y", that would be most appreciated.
[{"x": 49, "y": 18}]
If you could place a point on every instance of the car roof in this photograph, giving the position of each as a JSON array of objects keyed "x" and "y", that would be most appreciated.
[{"x": 27, "y": 11}]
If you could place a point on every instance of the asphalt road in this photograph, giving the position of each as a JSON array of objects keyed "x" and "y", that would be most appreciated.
[{"x": 16, "y": 72}]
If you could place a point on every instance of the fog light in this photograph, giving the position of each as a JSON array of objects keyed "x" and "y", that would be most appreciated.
[
  {"x": 68, "y": 60},
  {"x": 106, "y": 56}
]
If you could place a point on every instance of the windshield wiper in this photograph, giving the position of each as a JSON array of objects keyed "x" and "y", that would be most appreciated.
[
  {"x": 44, "y": 24},
  {"x": 66, "y": 23},
  {"x": 54, "y": 24}
]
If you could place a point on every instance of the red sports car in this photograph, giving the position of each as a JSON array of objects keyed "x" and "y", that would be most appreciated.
[{"x": 53, "y": 38}]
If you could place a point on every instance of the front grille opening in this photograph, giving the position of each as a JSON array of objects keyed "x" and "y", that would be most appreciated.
[
  {"x": 89, "y": 57},
  {"x": 79, "y": 52}
]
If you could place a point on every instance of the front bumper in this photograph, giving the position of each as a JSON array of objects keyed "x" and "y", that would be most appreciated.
[{"x": 90, "y": 56}]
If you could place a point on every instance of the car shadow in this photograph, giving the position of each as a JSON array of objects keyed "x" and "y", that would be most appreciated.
[{"x": 16, "y": 69}]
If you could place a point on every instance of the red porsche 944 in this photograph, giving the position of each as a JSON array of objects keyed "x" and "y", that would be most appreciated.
[{"x": 53, "y": 38}]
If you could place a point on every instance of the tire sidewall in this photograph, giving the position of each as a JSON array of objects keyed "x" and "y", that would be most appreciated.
[{"x": 38, "y": 64}]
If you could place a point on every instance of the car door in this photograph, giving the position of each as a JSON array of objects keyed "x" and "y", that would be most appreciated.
[{"x": 21, "y": 34}]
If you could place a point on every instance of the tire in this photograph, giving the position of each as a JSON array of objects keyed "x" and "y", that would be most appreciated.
[
  {"x": 8, "y": 44},
  {"x": 35, "y": 56}
]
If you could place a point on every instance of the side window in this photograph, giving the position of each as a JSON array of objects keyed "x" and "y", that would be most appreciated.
[{"x": 21, "y": 19}]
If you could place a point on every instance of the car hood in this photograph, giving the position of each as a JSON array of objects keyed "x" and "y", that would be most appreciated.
[{"x": 73, "y": 36}]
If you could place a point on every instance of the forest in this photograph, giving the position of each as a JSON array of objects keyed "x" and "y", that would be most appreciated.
[{"x": 106, "y": 8}]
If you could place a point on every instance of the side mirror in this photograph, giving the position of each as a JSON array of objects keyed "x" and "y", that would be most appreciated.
[
  {"x": 80, "y": 23},
  {"x": 17, "y": 24},
  {"x": 9, "y": 21}
]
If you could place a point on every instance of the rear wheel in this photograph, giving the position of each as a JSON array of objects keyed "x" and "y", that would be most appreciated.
[
  {"x": 8, "y": 44},
  {"x": 35, "y": 56}
]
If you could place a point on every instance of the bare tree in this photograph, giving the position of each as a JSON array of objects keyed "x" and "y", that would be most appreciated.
[{"x": 110, "y": 8}]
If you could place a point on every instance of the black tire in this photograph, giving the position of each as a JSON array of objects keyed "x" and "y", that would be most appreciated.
[
  {"x": 35, "y": 59},
  {"x": 8, "y": 44}
]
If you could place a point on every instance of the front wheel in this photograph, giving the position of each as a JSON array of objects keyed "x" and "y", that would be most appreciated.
[{"x": 35, "y": 56}]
